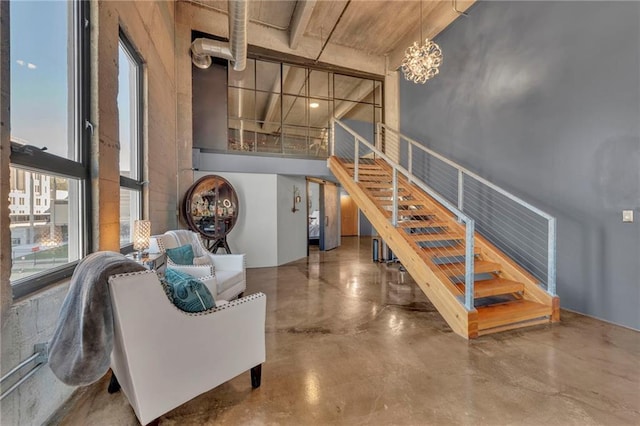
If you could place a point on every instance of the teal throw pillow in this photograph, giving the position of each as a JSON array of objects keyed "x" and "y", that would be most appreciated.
[
  {"x": 182, "y": 255},
  {"x": 186, "y": 292}
]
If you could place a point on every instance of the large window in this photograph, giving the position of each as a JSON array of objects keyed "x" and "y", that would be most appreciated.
[
  {"x": 276, "y": 108},
  {"x": 49, "y": 141},
  {"x": 286, "y": 109},
  {"x": 130, "y": 122}
]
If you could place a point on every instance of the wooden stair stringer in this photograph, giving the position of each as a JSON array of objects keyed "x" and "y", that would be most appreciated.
[
  {"x": 509, "y": 269},
  {"x": 435, "y": 285},
  {"x": 489, "y": 252}
]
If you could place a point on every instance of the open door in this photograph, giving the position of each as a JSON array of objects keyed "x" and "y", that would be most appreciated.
[{"x": 329, "y": 216}]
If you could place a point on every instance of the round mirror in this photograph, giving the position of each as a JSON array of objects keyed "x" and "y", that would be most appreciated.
[{"x": 211, "y": 209}]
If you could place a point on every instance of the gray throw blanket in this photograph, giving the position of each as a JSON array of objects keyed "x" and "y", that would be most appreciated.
[{"x": 80, "y": 349}]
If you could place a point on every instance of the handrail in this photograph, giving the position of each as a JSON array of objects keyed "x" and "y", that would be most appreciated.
[
  {"x": 462, "y": 171},
  {"x": 469, "y": 173},
  {"x": 413, "y": 179},
  {"x": 462, "y": 217}
]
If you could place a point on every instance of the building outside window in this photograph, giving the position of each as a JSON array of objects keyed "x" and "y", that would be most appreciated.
[
  {"x": 130, "y": 133},
  {"x": 49, "y": 142}
]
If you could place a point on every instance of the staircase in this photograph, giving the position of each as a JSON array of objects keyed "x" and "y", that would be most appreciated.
[{"x": 475, "y": 286}]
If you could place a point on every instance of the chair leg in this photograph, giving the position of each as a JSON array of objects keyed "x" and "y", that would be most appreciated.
[
  {"x": 114, "y": 386},
  {"x": 256, "y": 376},
  {"x": 241, "y": 295}
]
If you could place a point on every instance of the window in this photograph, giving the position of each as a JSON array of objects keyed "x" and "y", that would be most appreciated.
[
  {"x": 130, "y": 122},
  {"x": 49, "y": 71},
  {"x": 286, "y": 109}
]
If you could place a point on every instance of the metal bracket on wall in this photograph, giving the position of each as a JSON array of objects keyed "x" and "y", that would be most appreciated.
[{"x": 40, "y": 358}]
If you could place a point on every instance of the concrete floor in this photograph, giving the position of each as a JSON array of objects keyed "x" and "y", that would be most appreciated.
[{"x": 352, "y": 342}]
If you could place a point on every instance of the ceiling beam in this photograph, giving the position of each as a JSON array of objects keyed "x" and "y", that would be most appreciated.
[
  {"x": 195, "y": 17},
  {"x": 299, "y": 21},
  {"x": 361, "y": 91},
  {"x": 438, "y": 19}
]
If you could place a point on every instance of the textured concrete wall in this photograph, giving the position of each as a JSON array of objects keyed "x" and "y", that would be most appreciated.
[
  {"x": 150, "y": 27},
  {"x": 543, "y": 98}
]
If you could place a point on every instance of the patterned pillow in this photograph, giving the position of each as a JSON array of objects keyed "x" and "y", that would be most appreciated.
[
  {"x": 186, "y": 292},
  {"x": 182, "y": 255}
]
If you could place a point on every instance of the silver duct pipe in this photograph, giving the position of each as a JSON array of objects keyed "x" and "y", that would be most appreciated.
[
  {"x": 235, "y": 50},
  {"x": 238, "y": 18}
]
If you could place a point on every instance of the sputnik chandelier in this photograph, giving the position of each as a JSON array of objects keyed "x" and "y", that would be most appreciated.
[{"x": 421, "y": 62}]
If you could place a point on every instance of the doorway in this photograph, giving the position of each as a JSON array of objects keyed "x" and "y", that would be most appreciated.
[{"x": 323, "y": 211}]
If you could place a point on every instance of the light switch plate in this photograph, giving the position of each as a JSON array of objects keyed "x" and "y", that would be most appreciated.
[{"x": 627, "y": 216}]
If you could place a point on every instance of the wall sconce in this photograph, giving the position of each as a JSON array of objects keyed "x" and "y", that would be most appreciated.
[
  {"x": 141, "y": 236},
  {"x": 296, "y": 199}
]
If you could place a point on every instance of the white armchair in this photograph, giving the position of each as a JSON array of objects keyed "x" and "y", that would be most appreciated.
[
  {"x": 229, "y": 270},
  {"x": 163, "y": 357}
]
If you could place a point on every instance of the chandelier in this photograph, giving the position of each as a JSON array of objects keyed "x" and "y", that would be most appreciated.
[{"x": 421, "y": 62}]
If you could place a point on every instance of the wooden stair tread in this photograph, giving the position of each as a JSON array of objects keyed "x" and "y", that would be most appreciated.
[
  {"x": 364, "y": 166},
  {"x": 405, "y": 213},
  {"x": 510, "y": 313},
  {"x": 383, "y": 192},
  {"x": 410, "y": 224},
  {"x": 435, "y": 237},
  {"x": 375, "y": 179},
  {"x": 451, "y": 251},
  {"x": 400, "y": 202},
  {"x": 495, "y": 287},
  {"x": 377, "y": 185},
  {"x": 372, "y": 172},
  {"x": 479, "y": 267}
]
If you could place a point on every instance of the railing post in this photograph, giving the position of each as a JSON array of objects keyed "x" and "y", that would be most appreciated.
[
  {"x": 410, "y": 159},
  {"x": 468, "y": 265},
  {"x": 379, "y": 136},
  {"x": 394, "y": 213},
  {"x": 551, "y": 257},
  {"x": 332, "y": 138},
  {"x": 460, "y": 190},
  {"x": 356, "y": 156}
]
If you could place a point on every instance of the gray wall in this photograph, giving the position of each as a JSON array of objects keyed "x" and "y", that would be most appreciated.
[
  {"x": 210, "y": 107},
  {"x": 543, "y": 98}
]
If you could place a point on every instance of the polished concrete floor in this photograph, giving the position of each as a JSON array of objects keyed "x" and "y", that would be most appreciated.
[{"x": 351, "y": 342}]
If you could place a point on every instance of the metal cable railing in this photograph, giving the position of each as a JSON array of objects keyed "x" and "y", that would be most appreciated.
[
  {"x": 449, "y": 243},
  {"x": 520, "y": 230}
]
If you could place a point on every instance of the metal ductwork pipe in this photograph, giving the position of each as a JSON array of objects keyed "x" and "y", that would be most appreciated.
[{"x": 235, "y": 50}]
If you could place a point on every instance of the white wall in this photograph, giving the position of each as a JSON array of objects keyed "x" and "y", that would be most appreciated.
[
  {"x": 267, "y": 231},
  {"x": 292, "y": 226},
  {"x": 255, "y": 232}
]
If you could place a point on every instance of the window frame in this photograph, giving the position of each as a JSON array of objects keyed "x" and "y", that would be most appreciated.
[
  {"x": 36, "y": 160},
  {"x": 377, "y": 105},
  {"x": 125, "y": 181}
]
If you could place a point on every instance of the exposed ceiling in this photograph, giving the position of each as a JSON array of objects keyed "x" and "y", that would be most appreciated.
[
  {"x": 375, "y": 28},
  {"x": 371, "y": 26}
]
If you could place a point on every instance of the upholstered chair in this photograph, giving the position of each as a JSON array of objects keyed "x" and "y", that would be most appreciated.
[
  {"x": 224, "y": 274},
  {"x": 163, "y": 357}
]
